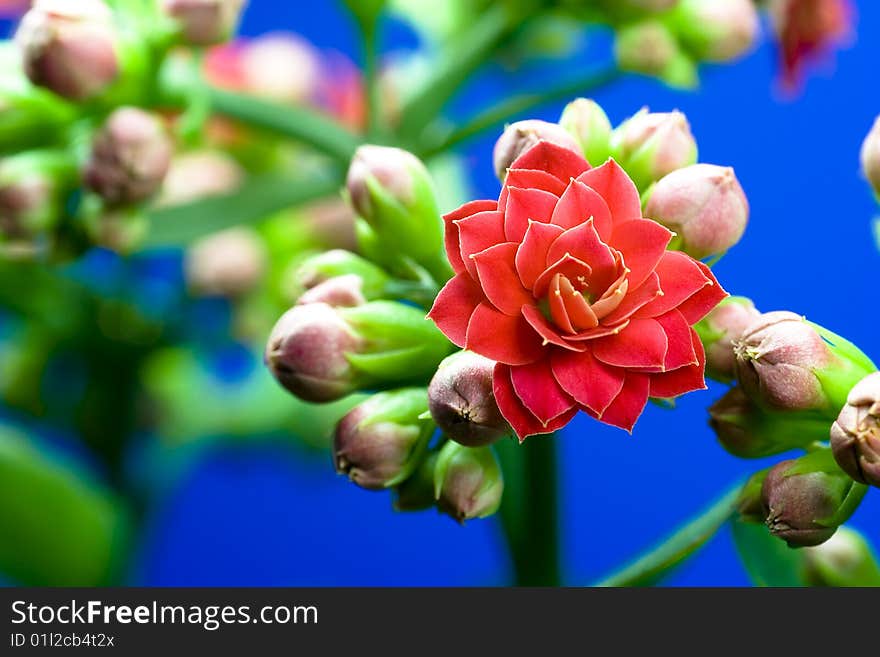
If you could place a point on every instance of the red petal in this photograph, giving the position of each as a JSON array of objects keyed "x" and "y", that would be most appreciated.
[
  {"x": 477, "y": 233},
  {"x": 591, "y": 382},
  {"x": 568, "y": 266},
  {"x": 454, "y": 306},
  {"x": 580, "y": 203},
  {"x": 619, "y": 192},
  {"x": 626, "y": 408},
  {"x": 700, "y": 304},
  {"x": 503, "y": 338},
  {"x": 533, "y": 179},
  {"x": 557, "y": 303},
  {"x": 531, "y": 257},
  {"x": 584, "y": 243},
  {"x": 598, "y": 332},
  {"x": 641, "y": 344},
  {"x": 645, "y": 294},
  {"x": 499, "y": 279},
  {"x": 678, "y": 333},
  {"x": 525, "y": 204},
  {"x": 539, "y": 392},
  {"x": 642, "y": 244},
  {"x": 555, "y": 160},
  {"x": 453, "y": 251},
  {"x": 517, "y": 415},
  {"x": 684, "y": 379},
  {"x": 548, "y": 332},
  {"x": 680, "y": 278},
  {"x": 577, "y": 309}
]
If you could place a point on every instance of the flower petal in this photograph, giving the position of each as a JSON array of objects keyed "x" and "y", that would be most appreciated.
[
  {"x": 618, "y": 190},
  {"x": 531, "y": 257},
  {"x": 678, "y": 333},
  {"x": 534, "y": 179},
  {"x": 539, "y": 392},
  {"x": 454, "y": 306},
  {"x": 477, "y": 233},
  {"x": 645, "y": 294},
  {"x": 523, "y": 205},
  {"x": 549, "y": 333},
  {"x": 641, "y": 344},
  {"x": 580, "y": 203},
  {"x": 642, "y": 243},
  {"x": 700, "y": 304},
  {"x": 499, "y": 279},
  {"x": 684, "y": 379},
  {"x": 502, "y": 338},
  {"x": 555, "y": 160},
  {"x": 589, "y": 381},
  {"x": 523, "y": 422},
  {"x": 453, "y": 250},
  {"x": 568, "y": 266},
  {"x": 627, "y": 407},
  {"x": 583, "y": 242},
  {"x": 680, "y": 277}
]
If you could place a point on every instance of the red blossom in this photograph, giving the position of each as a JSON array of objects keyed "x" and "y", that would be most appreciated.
[{"x": 573, "y": 294}]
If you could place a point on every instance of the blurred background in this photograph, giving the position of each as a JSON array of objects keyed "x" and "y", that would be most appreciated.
[{"x": 234, "y": 485}]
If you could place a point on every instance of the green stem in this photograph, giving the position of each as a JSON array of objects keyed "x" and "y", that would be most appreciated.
[
  {"x": 516, "y": 106},
  {"x": 530, "y": 509},
  {"x": 375, "y": 127}
]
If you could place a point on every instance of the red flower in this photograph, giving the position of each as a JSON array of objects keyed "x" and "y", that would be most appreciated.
[
  {"x": 573, "y": 293},
  {"x": 805, "y": 28}
]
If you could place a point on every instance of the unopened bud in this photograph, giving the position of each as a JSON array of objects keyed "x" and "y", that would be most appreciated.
[
  {"x": 467, "y": 482},
  {"x": 870, "y": 156},
  {"x": 704, "y": 205},
  {"x": 521, "y": 136},
  {"x": 130, "y": 157},
  {"x": 198, "y": 175},
  {"x": 33, "y": 187},
  {"x": 650, "y": 48},
  {"x": 462, "y": 402},
  {"x": 120, "y": 229},
  {"x": 845, "y": 559},
  {"x": 340, "y": 263},
  {"x": 380, "y": 442},
  {"x": 282, "y": 67},
  {"x": 855, "y": 435},
  {"x": 719, "y": 329},
  {"x": 807, "y": 499},
  {"x": 205, "y": 22},
  {"x": 69, "y": 47},
  {"x": 717, "y": 30},
  {"x": 587, "y": 122},
  {"x": 749, "y": 504},
  {"x": 228, "y": 263},
  {"x": 417, "y": 492},
  {"x": 651, "y": 145},
  {"x": 339, "y": 291}
]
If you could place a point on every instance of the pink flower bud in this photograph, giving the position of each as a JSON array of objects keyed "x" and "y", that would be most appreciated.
[
  {"x": 519, "y": 137},
  {"x": 462, "y": 402},
  {"x": 587, "y": 122},
  {"x": 704, "y": 205},
  {"x": 871, "y": 157},
  {"x": 776, "y": 362},
  {"x": 855, "y": 436},
  {"x": 344, "y": 291},
  {"x": 199, "y": 174},
  {"x": 205, "y": 22},
  {"x": 130, "y": 157},
  {"x": 467, "y": 482},
  {"x": 718, "y": 30},
  {"x": 227, "y": 263},
  {"x": 282, "y": 67},
  {"x": 307, "y": 350},
  {"x": 719, "y": 329},
  {"x": 69, "y": 47},
  {"x": 26, "y": 206},
  {"x": 845, "y": 559},
  {"x": 651, "y": 145},
  {"x": 392, "y": 170}
]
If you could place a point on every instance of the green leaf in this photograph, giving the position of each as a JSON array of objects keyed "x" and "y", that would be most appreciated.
[
  {"x": 258, "y": 198},
  {"x": 662, "y": 559},
  {"x": 767, "y": 559}
]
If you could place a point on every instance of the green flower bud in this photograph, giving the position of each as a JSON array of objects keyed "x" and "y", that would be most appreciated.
[
  {"x": 749, "y": 504},
  {"x": 121, "y": 229},
  {"x": 807, "y": 499},
  {"x": 845, "y": 559},
  {"x": 591, "y": 128},
  {"x": 228, "y": 263},
  {"x": 204, "y": 22},
  {"x": 417, "y": 492},
  {"x": 650, "y": 48},
  {"x": 855, "y": 435},
  {"x": 313, "y": 271},
  {"x": 467, "y": 482},
  {"x": 521, "y": 136},
  {"x": 380, "y": 442},
  {"x": 717, "y": 30},
  {"x": 719, "y": 329},
  {"x": 339, "y": 291},
  {"x": 392, "y": 193},
  {"x": 33, "y": 188}
]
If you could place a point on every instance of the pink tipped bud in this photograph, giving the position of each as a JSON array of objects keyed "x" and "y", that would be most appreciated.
[
  {"x": 719, "y": 329},
  {"x": 587, "y": 122},
  {"x": 718, "y": 30},
  {"x": 229, "y": 263},
  {"x": 855, "y": 435},
  {"x": 651, "y": 145},
  {"x": 341, "y": 291},
  {"x": 462, "y": 402},
  {"x": 205, "y": 22},
  {"x": 651, "y": 48},
  {"x": 391, "y": 170},
  {"x": 282, "y": 67},
  {"x": 25, "y": 207},
  {"x": 130, "y": 157},
  {"x": 467, "y": 482},
  {"x": 519, "y": 137},
  {"x": 200, "y": 174},
  {"x": 307, "y": 350},
  {"x": 846, "y": 559},
  {"x": 871, "y": 157},
  {"x": 69, "y": 47},
  {"x": 704, "y": 205}
]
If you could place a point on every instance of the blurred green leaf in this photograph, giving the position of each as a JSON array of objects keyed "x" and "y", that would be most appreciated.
[{"x": 767, "y": 559}]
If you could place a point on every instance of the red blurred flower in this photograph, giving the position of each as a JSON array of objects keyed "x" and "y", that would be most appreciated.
[
  {"x": 573, "y": 293},
  {"x": 807, "y": 28}
]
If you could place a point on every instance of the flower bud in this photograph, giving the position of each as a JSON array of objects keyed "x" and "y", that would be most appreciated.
[
  {"x": 855, "y": 435},
  {"x": 587, "y": 122},
  {"x": 783, "y": 362},
  {"x": 519, "y": 137},
  {"x": 204, "y": 22},
  {"x": 870, "y": 156},
  {"x": 417, "y": 492},
  {"x": 228, "y": 263},
  {"x": 650, "y": 48},
  {"x": 467, "y": 482},
  {"x": 199, "y": 174},
  {"x": 339, "y": 291},
  {"x": 391, "y": 191},
  {"x": 462, "y": 402},
  {"x": 704, "y": 205},
  {"x": 746, "y": 430},
  {"x": 69, "y": 47},
  {"x": 717, "y": 30},
  {"x": 120, "y": 229},
  {"x": 717, "y": 330},
  {"x": 651, "y": 145},
  {"x": 33, "y": 187},
  {"x": 749, "y": 504},
  {"x": 340, "y": 263},
  {"x": 380, "y": 442},
  {"x": 130, "y": 157},
  {"x": 282, "y": 67},
  {"x": 807, "y": 499},
  {"x": 845, "y": 559}
]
